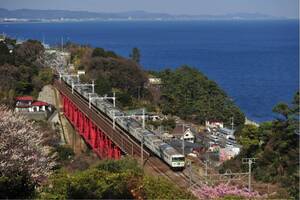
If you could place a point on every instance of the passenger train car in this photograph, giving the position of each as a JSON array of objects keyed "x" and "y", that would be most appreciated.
[{"x": 158, "y": 147}]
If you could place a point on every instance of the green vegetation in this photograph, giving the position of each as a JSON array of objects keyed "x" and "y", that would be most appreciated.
[
  {"x": 121, "y": 179},
  {"x": 65, "y": 153},
  {"x": 21, "y": 69},
  {"x": 99, "y": 52},
  {"x": 111, "y": 73},
  {"x": 16, "y": 184},
  {"x": 135, "y": 55},
  {"x": 168, "y": 124},
  {"x": 160, "y": 188},
  {"x": 190, "y": 95},
  {"x": 275, "y": 145}
]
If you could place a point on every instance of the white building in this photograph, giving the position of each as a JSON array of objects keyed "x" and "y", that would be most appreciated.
[
  {"x": 188, "y": 136},
  {"x": 214, "y": 124},
  {"x": 154, "y": 81},
  {"x": 184, "y": 132}
]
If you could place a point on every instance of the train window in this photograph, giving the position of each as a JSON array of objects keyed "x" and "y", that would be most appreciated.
[{"x": 177, "y": 159}]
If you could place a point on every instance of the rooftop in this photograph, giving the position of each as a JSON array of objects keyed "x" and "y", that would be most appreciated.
[
  {"x": 39, "y": 103},
  {"x": 24, "y": 98},
  {"x": 180, "y": 129}
]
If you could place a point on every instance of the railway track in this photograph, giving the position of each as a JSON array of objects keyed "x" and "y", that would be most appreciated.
[{"x": 123, "y": 140}]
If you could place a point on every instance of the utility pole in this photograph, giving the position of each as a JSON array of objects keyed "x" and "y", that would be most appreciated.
[
  {"x": 142, "y": 140},
  {"x": 93, "y": 86},
  {"x": 183, "y": 145},
  {"x": 114, "y": 99},
  {"x": 183, "y": 139},
  {"x": 232, "y": 123},
  {"x": 249, "y": 161},
  {"x": 143, "y": 122}
]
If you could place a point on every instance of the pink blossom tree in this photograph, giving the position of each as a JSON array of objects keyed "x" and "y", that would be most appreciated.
[
  {"x": 23, "y": 146},
  {"x": 223, "y": 190}
]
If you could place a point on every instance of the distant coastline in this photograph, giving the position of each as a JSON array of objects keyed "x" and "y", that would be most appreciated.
[
  {"x": 133, "y": 20},
  {"x": 31, "y": 16}
]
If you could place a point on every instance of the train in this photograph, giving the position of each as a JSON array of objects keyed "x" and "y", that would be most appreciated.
[{"x": 153, "y": 142}]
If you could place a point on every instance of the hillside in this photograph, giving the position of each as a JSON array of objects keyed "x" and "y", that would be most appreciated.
[{"x": 185, "y": 92}]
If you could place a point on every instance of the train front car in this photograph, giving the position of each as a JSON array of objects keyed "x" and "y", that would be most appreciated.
[
  {"x": 177, "y": 161},
  {"x": 174, "y": 159}
]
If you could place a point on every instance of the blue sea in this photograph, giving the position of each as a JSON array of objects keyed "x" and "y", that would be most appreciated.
[{"x": 255, "y": 62}]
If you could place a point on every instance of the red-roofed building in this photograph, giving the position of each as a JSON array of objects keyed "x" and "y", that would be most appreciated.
[
  {"x": 39, "y": 106},
  {"x": 23, "y": 104},
  {"x": 27, "y": 104}
]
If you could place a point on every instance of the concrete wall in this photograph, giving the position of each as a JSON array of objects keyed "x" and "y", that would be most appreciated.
[{"x": 36, "y": 115}]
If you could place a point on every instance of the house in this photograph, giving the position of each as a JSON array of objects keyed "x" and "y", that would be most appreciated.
[
  {"x": 40, "y": 106},
  {"x": 24, "y": 104},
  {"x": 188, "y": 136},
  {"x": 214, "y": 124},
  {"x": 27, "y": 104},
  {"x": 154, "y": 81},
  {"x": 185, "y": 132},
  {"x": 156, "y": 117}
]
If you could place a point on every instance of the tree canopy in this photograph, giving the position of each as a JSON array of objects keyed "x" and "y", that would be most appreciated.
[
  {"x": 25, "y": 155},
  {"x": 110, "y": 179},
  {"x": 21, "y": 70},
  {"x": 135, "y": 55},
  {"x": 186, "y": 92},
  {"x": 111, "y": 72}
]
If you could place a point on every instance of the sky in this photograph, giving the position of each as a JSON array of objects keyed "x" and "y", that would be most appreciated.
[{"x": 282, "y": 8}]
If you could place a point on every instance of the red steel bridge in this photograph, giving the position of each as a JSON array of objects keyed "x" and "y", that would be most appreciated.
[{"x": 95, "y": 128}]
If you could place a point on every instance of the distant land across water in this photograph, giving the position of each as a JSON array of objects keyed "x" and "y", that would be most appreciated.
[
  {"x": 32, "y": 15},
  {"x": 255, "y": 62}
]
